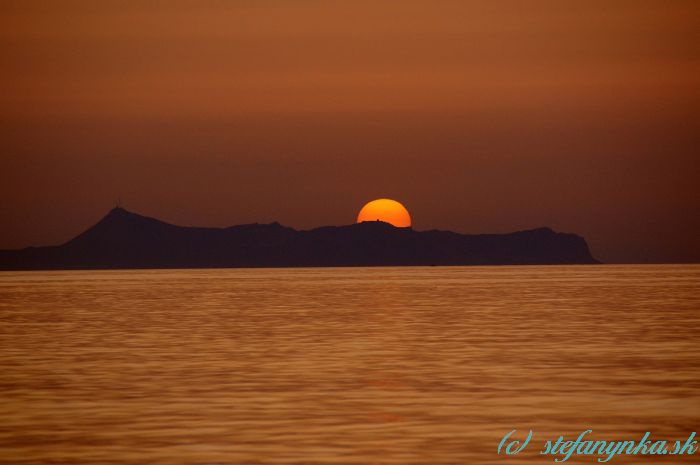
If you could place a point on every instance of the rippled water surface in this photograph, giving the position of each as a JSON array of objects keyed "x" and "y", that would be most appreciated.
[{"x": 343, "y": 366}]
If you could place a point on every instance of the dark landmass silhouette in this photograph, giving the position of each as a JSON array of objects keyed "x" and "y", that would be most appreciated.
[{"x": 127, "y": 240}]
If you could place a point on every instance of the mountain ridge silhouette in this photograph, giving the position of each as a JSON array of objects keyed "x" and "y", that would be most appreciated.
[{"x": 122, "y": 240}]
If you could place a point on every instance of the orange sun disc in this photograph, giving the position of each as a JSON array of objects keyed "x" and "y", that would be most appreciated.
[{"x": 387, "y": 210}]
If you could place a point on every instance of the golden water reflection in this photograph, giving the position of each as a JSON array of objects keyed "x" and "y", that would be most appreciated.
[{"x": 348, "y": 366}]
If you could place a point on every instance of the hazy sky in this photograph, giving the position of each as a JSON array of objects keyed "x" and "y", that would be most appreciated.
[{"x": 479, "y": 116}]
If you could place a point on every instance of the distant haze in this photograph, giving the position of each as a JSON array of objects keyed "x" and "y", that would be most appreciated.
[{"x": 485, "y": 116}]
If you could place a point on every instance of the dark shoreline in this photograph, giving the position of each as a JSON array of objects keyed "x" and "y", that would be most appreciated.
[{"x": 125, "y": 240}]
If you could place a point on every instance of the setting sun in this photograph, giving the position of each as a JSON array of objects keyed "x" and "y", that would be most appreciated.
[{"x": 387, "y": 210}]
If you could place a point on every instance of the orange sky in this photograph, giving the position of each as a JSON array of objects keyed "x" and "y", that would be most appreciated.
[{"x": 486, "y": 116}]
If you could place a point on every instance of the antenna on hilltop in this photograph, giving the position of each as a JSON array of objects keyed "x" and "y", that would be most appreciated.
[{"x": 119, "y": 202}]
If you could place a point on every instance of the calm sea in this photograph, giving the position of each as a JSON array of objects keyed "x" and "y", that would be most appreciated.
[{"x": 343, "y": 366}]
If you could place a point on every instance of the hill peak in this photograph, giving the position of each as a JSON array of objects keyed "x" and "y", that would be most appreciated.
[{"x": 120, "y": 212}]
